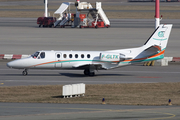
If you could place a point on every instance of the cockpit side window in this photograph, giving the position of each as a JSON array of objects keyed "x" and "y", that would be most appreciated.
[
  {"x": 42, "y": 55},
  {"x": 35, "y": 55}
]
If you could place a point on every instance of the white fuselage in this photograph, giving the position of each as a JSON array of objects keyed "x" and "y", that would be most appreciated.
[
  {"x": 64, "y": 60},
  {"x": 89, "y": 61}
]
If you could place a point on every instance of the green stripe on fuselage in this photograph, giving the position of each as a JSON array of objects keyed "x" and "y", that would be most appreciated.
[
  {"x": 145, "y": 60},
  {"x": 133, "y": 61}
]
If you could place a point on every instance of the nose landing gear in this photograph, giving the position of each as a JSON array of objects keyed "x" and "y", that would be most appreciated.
[{"x": 25, "y": 72}]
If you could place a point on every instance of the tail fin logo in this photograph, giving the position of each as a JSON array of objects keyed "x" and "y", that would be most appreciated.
[{"x": 161, "y": 34}]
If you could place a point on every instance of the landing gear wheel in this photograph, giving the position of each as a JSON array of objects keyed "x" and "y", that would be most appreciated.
[
  {"x": 25, "y": 73},
  {"x": 96, "y": 26},
  {"x": 39, "y": 25},
  {"x": 86, "y": 72},
  {"x": 91, "y": 74}
]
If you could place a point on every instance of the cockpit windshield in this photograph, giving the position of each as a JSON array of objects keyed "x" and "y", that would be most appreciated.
[{"x": 35, "y": 55}]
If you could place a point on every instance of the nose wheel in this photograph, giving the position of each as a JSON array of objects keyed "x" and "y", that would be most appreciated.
[{"x": 25, "y": 72}]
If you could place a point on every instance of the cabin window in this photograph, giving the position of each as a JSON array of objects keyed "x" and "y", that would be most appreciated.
[
  {"x": 70, "y": 55},
  {"x": 82, "y": 55},
  {"x": 58, "y": 56},
  {"x": 76, "y": 55},
  {"x": 88, "y": 56},
  {"x": 64, "y": 55},
  {"x": 35, "y": 55},
  {"x": 42, "y": 55}
]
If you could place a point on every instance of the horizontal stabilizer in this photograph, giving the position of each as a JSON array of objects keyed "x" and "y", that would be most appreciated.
[{"x": 154, "y": 49}]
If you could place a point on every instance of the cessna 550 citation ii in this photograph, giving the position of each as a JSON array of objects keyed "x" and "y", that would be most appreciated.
[{"x": 89, "y": 61}]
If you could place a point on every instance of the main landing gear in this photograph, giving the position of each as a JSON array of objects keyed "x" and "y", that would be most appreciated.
[
  {"x": 25, "y": 72},
  {"x": 87, "y": 72}
]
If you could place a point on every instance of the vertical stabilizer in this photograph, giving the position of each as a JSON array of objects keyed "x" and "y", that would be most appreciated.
[{"x": 159, "y": 37}]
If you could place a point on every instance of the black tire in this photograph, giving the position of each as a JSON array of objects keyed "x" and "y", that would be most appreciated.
[
  {"x": 24, "y": 73},
  {"x": 91, "y": 73},
  {"x": 50, "y": 26},
  {"x": 39, "y": 25},
  {"x": 86, "y": 72},
  {"x": 96, "y": 26}
]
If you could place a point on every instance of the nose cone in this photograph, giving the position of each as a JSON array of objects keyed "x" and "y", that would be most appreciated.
[
  {"x": 9, "y": 64},
  {"x": 13, "y": 64},
  {"x": 16, "y": 64}
]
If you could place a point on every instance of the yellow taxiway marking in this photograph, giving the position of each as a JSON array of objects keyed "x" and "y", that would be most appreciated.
[{"x": 162, "y": 118}]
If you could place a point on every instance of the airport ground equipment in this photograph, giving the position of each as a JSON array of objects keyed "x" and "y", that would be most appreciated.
[
  {"x": 46, "y": 21},
  {"x": 82, "y": 16},
  {"x": 85, "y": 15},
  {"x": 98, "y": 18},
  {"x": 64, "y": 15}
]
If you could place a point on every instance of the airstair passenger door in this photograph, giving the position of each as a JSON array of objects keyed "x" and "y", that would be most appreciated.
[{"x": 58, "y": 58}]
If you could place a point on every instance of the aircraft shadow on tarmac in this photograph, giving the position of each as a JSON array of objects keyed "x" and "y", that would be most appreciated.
[
  {"x": 67, "y": 75},
  {"x": 97, "y": 75},
  {"x": 40, "y": 75}
]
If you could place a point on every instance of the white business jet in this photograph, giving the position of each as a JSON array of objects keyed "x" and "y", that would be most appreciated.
[{"x": 89, "y": 61}]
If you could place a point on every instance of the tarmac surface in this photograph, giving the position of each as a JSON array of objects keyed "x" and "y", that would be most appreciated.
[
  {"x": 35, "y": 111},
  {"x": 129, "y": 74}
]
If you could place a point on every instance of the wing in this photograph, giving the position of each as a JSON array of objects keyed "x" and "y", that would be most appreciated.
[{"x": 87, "y": 66}]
